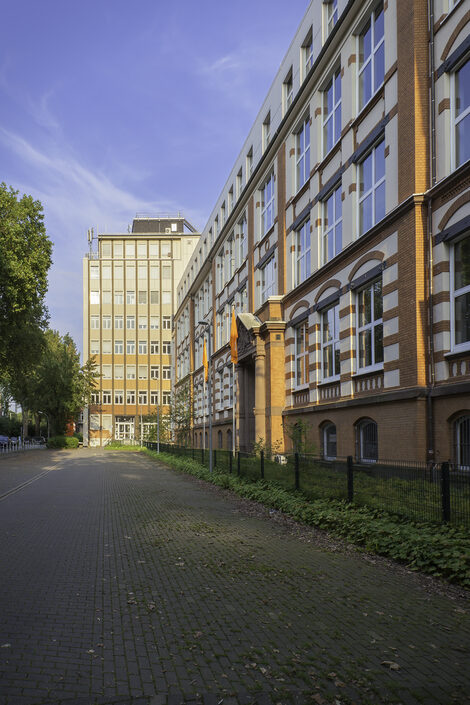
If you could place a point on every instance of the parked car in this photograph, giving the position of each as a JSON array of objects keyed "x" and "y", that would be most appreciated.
[
  {"x": 39, "y": 440},
  {"x": 4, "y": 440}
]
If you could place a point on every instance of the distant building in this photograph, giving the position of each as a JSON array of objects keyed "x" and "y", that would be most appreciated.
[
  {"x": 342, "y": 240},
  {"x": 129, "y": 296}
]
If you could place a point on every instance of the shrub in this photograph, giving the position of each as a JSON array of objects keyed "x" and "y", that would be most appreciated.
[{"x": 62, "y": 442}]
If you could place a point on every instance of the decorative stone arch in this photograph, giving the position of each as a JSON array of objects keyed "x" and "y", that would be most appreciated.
[
  {"x": 328, "y": 438},
  {"x": 373, "y": 256},
  {"x": 330, "y": 284},
  {"x": 456, "y": 205},
  {"x": 304, "y": 304},
  {"x": 459, "y": 423},
  {"x": 451, "y": 41}
]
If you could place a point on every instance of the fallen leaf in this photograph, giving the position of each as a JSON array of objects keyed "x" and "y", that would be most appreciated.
[{"x": 391, "y": 664}]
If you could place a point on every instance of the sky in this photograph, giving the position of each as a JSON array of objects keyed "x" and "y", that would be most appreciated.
[{"x": 110, "y": 108}]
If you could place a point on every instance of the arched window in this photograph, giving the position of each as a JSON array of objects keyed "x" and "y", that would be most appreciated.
[
  {"x": 329, "y": 441},
  {"x": 367, "y": 441},
  {"x": 220, "y": 442},
  {"x": 229, "y": 439},
  {"x": 462, "y": 441}
]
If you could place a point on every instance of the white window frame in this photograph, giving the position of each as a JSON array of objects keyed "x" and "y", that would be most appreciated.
[
  {"x": 333, "y": 342},
  {"x": 119, "y": 347},
  {"x": 303, "y": 253},
  {"x": 331, "y": 230},
  {"x": 307, "y": 54},
  {"x": 130, "y": 396},
  {"x": 130, "y": 372},
  {"x": 267, "y": 204},
  {"x": 142, "y": 397},
  {"x": 332, "y": 117},
  {"x": 106, "y": 396},
  {"x": 287, "y": 92},
  {"x": 361, "y": 427},
  {"x": 301, "y": 356},
  {"x": 166, "y": 371},
  {"x": 106, "y": 323},
  {"x": 119, "y": 397},
  {"x": 130, "y": 347},
  {"x": 456, "y": 119},
  {"x": 373, "y": 190},
  {"x": 370, "y": 326},
  {"x": 154, "y": 347},
  {"x": 130, "y": 322},
  {"x": 302, "y": 154},
  {"x": 166, "y": 322},
  {"x": 268, "y": 284},
  {"x": 143, "y": 347},
  {"x": 454, "y": 294},
  {"x": 371, "y": 59},
  {"x": 331, "y": 16}
]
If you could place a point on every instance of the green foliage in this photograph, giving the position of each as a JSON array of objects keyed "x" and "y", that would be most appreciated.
[
  {"x": 118, "y": 445},
  {"x": 442, "y": 551},
  {"x": 176, "y": 423},
  {"x": 268, "y": 449},
  {"x": 24, "y": 263},
  {"x": 298, "y": 432},
  {"x": 62, "y": 442}
]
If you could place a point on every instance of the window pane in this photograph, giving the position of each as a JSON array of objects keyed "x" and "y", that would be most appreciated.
[
  {"x": 365, "y": 349},
  {"x": 365, "y": 215},
  {"x": 378, "y": 25},
  {"x": 364, "y": 307},
  {"x": 378, "y": 304},
  {"x": 366, "y": 174},
  {"x": 462, "y": 263},
  {"x": 379, "y": 67},
  {"x": 462, "y": 319},
  {"x": 378, "y": 344},
  {"x": 462, "y": 139},
  {"x": 365, "y": 80},
  {"x": 462, "y": 89},
  {"x": 379, "y": 202},
  {"x": 365, "y": 44},
  {"x": 379, "y": 155}
]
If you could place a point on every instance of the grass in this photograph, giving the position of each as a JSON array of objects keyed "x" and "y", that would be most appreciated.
[{"x": 439, "y": 550}]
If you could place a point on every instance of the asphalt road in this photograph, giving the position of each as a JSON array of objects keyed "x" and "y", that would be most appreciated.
[{"x": 125, "y": 582}]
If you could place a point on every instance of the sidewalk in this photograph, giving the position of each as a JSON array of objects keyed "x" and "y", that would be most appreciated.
[{"x": 125, "y": 582}]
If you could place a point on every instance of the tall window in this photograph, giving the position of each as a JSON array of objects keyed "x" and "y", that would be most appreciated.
[
  {"x": 331, "y": 15},
  {"x": 142, "y": 347},
  {"x": 367, "y": 441},
  {"x": 268, "y": 280},
  {"x": 119, "y": 396},
  {"x": 332, "y": 225},
  {"x": 242, "y": 242},
  {"x": 130, "y": 347},
  {"x": 118, "y": 347},
  {"x": 301, "y": 354},
  {"x": 130, "y": 396},
  {"x": 107, "y": 322},
  {"x": 302, "y": 253},
  {"x": 329, "y": 442},
  {"x": 287, "y": 91},
  {"x": 462, "y": 442},
  {"x": 307, "y": 54},
  {"x": 266, "y": 131},
  {"x": 372, "y": 188},
  {"x": 166, "y": 322},
  {"x": 332, "y": 112},
  {"x": 370, "y": 326},
  {"x": 130, "y": 322},
  {"x": 330, "y": 343},
  {"x": 267, "y": 204},
  {"x": 303, "y": 153},
  {"x": 221, "y": 270},
  {"x": 461, "y": 113},
  {"x": 130, "y": 297},
  {"x": 461, "y": 295},
  {"x": 371, "y": 63}
]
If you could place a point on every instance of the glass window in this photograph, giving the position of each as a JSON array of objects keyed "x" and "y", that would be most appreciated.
[
  {"x": 302, "y": 253},
  {"x": 118, "y": 298},
  {"x": 154, "y": 322},
  {"x": 332, "y": 113},
  {"x": 94, "y": 322},
  {"x": 130, "y": 322},
  {"x": 118, "y": 347},
  {"x": 154, "y": 398},
  {"x": 301, "y": 355},
  {"x": 307, "y": 54},
  {"x": 166, "y": 348},
  {"x": 371, "y": 64},
  {"x": 166, "y": 372},
  {"x": 154, "y": 347},
  {"x": 370, "y": 326},
  {"x": 303, "y": 153},
  {"x": 107, "y": 347},
  {"x": 331, "y": 15},
  {"x": 462, "y": 114},
  {"x": 268, "y": 280},
  {"x": 267, "y": 205},
  {"x": 117, "y": 249},
  {"x": 130, "y": 297},
  {"x": 368, "y": 441},
  {"x": 106, "y": 396},
  {"x": 107, "y": 322},
  {"x": 372, "y": 188},
  {"x": 332, "y": 225},
  {"x": 166, "y": 322},
  {"x": 118, "y": 322},
  {"x": 154, "y": 297},
  {"x": 142, "y": 371},
  {"x": 119, "y": 396},
  {"x": 142, "y": 397},
  {"x": 130, "y": 371},
  {"x": 130, "y": 249},
  {"x": 330, "y": 343},
  {"x": 106, "y": 371},
  {"x": 141, "y": 250},
  {"x": 94, "y": 347},
  {"x": 166, "y": 398},
  {"x": 266, "y": 131},
  {"x": 130, "y": 347},
  {"x": 462, "y": 442},
  {"x": 94, "y": 271},
  {"x": 154, "y": 372},
  {"x": 130, "y": 396},
  {"x": 329, "y": 442},
  {"x": 94, "y": 297},
  {"x": 142, "y": 347},
  {"x": 288, "y": 91},
  {"x": 461, "y": 294},
  {"x": 118, "y": 371},
  {"x": 142, "y": 297},
  {"x": 142, "y": 322}
]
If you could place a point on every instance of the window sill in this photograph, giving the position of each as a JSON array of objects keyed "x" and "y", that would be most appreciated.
[
  {"x": 369, "y": 106},
  {"x": 373, "y": 369},
  {"x": 330, "y": 380},
  {"x": 457, "y": 353}
]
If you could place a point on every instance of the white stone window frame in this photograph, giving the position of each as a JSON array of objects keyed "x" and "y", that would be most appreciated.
[
  {"x": 142, "y": 397},
  {"x": 154, "y": 371},
  {"x": 119, "y": 347},
  {"x": 454, "y": 294},
  {"x": 307, "y": 54},
  {"x": 334, "y": 115},
  {"x": 119, "y": 396},
  {"x": 106, "y": 396},
  {"x": 302, "y": 153},
  {"x": 372, "y": 191},
  {"x": 371, "y": 325},
  {"x": 267, "y": 193},
  {"x": 331, "y": 230},
  {"x": 130, "y": 347},
  {"x": 456, "y": 119},
  {"x": 268, "y": 283},
  {"x": 302, "y": 357},
  {"x": 130, "y": 396},
  {"x": 302, "y": 253},
  {"x": 166, "y": 372},
  {"x": 333, "y": 342},
  {"x": 376, "y": 47}
]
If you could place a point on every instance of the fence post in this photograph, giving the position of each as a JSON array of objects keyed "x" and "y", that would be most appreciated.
[
  {"x": 261, "y": 462},
  {"x": 297, "y": 475},
  {"x": 350, "y": 479},
  {"x": 230, "y": 462},
  {"x": 215, "y": 458},
  {"x": 238, "y": 463},
  {"x": 445, "y": 492}
]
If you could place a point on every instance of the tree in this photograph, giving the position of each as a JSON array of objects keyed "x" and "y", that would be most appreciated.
[
  {"x": 24, "y": 263},
  {"x": 57, "y": 385},
  {"x": 178, "y": 419}
]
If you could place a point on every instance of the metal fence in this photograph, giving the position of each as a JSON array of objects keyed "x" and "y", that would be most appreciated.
[
  {"x": 420, "y": 491},
  {"x": 16, "y": 446}
]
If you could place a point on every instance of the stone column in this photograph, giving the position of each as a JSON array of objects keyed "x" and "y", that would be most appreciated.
[{"x": 260, "y": 391}]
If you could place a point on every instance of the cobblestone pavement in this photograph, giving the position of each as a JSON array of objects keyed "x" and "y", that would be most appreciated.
[{"x": 123, "y": 582}]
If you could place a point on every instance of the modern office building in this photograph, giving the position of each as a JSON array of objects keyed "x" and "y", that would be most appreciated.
[
  {"x": 129, "y": 296},
  {"x": 341, "y": 239}
]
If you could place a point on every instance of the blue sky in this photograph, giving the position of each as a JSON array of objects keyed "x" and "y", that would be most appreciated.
[{"x": 112, "y": 107}]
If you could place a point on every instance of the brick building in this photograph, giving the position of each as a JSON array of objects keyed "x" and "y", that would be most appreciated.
[{"x": 342, "y": 240}]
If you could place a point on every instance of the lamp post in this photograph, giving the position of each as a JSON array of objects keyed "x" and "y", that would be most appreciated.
[{"x": 209, "y": 386}]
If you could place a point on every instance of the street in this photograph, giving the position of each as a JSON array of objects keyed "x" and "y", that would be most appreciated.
[{"x": 125, "y": 582}]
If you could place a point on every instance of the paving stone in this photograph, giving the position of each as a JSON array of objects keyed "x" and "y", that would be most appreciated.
[{"x": 124, "y": 579}]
